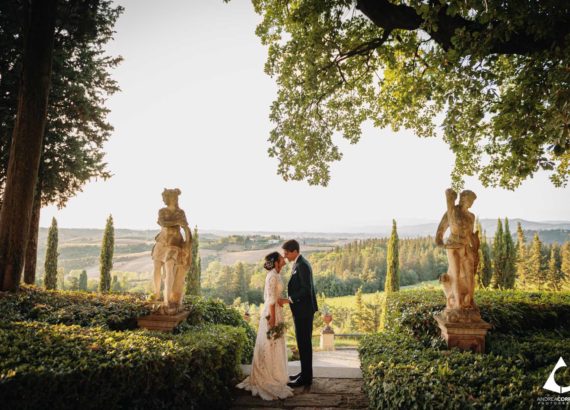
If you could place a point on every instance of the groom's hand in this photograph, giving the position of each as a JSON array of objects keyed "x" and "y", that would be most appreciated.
[{"x": 282, "y": 301}]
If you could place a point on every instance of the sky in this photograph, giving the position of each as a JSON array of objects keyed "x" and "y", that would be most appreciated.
[{"x": 193, "y": 114}]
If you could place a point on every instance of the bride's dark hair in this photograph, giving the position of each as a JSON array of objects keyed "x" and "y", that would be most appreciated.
[{"x": 271, "y": 260}]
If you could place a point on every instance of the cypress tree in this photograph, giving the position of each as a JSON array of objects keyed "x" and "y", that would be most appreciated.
[
  {"x": 479, "y": 272},
  {"x": 83, "y": 280},
  {"x": 392, "y": 261},
  {"x": 199, "y": 270},
  {"x": 554, "y": 273},
  {"x": 106, "y": 258},
  {"x": 522, "y": 262},
  {"x": 565, "y": 262},
  {"x": 498, "y": 256},
  {"x": 239, "y": 282},
  {"x": 225, "y": 284},
  {"x": 510, "y": 258},
  {"x": 536, "y": 270},
  {"x": 194, "y": 272},
  {"x": 50, "y": 265},
  {"x": 358, "y": 316},
  {"x": 485, "y": 268}
]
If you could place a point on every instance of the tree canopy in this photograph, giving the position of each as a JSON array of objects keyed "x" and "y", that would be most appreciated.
[
  {"x": 77, "y": 126},
  {"x": 491, "y": 77}
]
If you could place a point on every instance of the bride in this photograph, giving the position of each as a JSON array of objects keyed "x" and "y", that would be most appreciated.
[{"x": 268, "y": 378}]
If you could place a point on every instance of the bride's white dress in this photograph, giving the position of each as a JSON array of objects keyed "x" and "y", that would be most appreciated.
[{"x": 268, "y": 378}]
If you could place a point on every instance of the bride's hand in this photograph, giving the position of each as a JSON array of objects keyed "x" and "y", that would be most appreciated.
[
  {"x": 272, "y": 321},
  {"x": 282, "y": 302}
]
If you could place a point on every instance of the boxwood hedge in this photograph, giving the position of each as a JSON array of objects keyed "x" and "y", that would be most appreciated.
[
  {"x": 112, "y": 311},
  {"x": 408, "y": 366},
  {"x": 510, "y": 312},
  {"x": 64, "y": 367},
  {"x": 71, "y": 350}
]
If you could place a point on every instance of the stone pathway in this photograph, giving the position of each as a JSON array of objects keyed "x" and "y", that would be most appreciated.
[{"x": 337, "y": 385}]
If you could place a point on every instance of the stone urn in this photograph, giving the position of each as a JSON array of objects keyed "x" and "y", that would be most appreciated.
[{"x": 327, "y": 334}]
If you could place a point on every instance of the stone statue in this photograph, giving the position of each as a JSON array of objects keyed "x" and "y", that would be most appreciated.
[
  {"x": 172, "y": 253},
  {"x": 462, "y": 254},
  {"x": 460, "y": 323}
]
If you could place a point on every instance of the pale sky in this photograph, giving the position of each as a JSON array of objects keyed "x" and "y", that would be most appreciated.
[{"x": 193, "y": 114}]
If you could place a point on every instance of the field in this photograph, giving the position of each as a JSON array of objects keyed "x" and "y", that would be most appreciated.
[
  {"x": 349, "y": 301},
  {"x": 80, "y": 248}
]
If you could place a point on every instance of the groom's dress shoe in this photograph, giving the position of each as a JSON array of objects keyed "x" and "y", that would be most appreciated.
[
  {"x": 293, "y": 378},
  {"x": 298, "y": 383}
]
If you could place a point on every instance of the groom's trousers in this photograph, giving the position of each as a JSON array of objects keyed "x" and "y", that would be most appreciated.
[{"x": 304, "y": 334}]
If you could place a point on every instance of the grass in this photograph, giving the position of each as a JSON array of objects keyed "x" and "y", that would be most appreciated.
[{"x": 349, "y": 301}]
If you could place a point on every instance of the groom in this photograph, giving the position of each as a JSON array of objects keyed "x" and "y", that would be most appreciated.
[{"x": 303, "y": 302}]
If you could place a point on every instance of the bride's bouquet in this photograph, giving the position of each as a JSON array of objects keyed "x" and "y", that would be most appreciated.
[{"x": 276, "y": 331}]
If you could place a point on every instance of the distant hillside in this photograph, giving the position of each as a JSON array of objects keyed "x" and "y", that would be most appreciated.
[
  {"x": 80, "y": 248},
  {"x": 489, "y": 226}
]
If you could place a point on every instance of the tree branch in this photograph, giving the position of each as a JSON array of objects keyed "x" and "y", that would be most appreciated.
[
  {"x": 391, "y": 16},
  {"x": 365, "y": 47}
]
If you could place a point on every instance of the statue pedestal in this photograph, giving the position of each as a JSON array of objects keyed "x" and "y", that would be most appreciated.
[
  {"x": 327, "y": 338},
  {"x": 161, "y": 322},
  {"x": 466, "y": 335}
]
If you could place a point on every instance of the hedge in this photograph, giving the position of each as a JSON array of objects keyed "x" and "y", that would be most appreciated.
[
  {"x": 401, "y": 373},
  {"x": 510, "y": 312},
  {"x": 67, "y": 367},
  {"x": 68, "y": 349},
  {"x": 408, "y": 365},
  {"x": 112, "y": 311},
  {"x": 204, "y": 310}
]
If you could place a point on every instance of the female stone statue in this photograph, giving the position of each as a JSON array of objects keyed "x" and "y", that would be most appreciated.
[
  {"x": 171, "y": 253},
  {"x": 462, "y": 250}
]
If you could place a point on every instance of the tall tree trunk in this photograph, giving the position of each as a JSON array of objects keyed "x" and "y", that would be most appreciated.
[
  {"x": 32, "y": 248},
  {"x": 27, "y": 140}
]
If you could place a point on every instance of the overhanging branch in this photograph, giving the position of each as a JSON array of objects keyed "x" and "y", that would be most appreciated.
[{"x": 391, "y": 16}]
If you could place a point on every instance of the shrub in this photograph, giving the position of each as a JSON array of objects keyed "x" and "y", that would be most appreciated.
[
  {"x": 408, "y": 366},
  {"x": 402, "y": 373},
  {"x": 510, "y": 312},
  {"x": 113, "y": 311},
  {"x": 116, "y": 312},
  {"x": 214, "y": 311},
  {"x": 93, "y": 368}
]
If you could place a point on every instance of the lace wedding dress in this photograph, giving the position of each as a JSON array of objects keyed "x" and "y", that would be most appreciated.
[{"x": 268, "y": 378}]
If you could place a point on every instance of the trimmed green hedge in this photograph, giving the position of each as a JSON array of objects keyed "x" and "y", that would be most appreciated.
[
  {"x": 110, "y": 311},
  {"x": 402, "y": 373},
  {"x": 408, "y": 366},
  {"x": 65, "y": 349},
  {"x": 73, "y": 367},
  {"x": 204, "y": 310},
  {"x": 113, "y": 311},
  {"x": 510, "y": 312}
]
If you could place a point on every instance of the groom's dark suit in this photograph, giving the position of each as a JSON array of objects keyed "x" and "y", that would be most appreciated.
[{"x": 304, "y": 305}]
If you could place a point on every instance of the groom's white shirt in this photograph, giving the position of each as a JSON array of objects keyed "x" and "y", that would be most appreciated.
[{"x": 293, "y": 272}]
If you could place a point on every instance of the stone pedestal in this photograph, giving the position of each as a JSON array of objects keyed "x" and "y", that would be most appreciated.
[
  {"x": 161, "y": 322},
  {"x": 327, "y": 338},
  {"x": 466, "y": 334}
]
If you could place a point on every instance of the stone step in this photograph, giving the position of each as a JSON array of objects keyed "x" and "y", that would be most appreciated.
[
  {"x": 318, "y": 371},
  {"x": 324, "y": 393}
]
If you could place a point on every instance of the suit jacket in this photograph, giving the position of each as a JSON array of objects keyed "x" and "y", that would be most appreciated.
[{"x": 301, "y": 289}]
